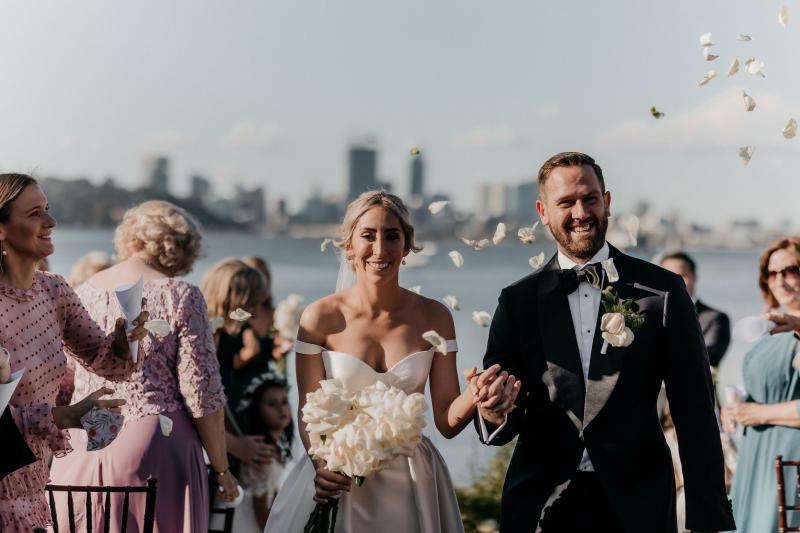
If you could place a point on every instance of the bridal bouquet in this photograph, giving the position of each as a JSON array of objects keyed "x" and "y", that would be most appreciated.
[{"x": 356, "y": 433}]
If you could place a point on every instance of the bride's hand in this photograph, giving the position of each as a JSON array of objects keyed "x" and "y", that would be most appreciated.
[{"x": 328, "y": 484}]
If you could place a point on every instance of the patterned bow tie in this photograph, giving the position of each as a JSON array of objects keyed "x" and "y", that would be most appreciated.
[{"x": 572, "y": 277}]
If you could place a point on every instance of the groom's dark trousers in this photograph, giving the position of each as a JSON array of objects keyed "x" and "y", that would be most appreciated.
[
  {"x": 582, "y": 508},
  {"x": 613, "y": 414}
]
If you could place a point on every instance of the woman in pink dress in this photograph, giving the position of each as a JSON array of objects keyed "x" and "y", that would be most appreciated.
[
  {"x": 40, "y": 316},
  {"x": 174, "y": 402}
]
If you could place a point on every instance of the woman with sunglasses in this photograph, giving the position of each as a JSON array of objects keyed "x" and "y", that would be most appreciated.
[{"x": 770, "y": 414}]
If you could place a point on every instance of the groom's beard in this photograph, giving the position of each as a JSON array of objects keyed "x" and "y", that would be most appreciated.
[{"x": 582, "y": 248}]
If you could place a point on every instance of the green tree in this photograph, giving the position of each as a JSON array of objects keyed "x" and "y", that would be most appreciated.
[{"x": 480, "y": 502}]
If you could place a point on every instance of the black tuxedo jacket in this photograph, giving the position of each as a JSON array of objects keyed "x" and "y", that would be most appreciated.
[
  {"x": 716, "y": 328},
  {"x": 614, "y": 415}
]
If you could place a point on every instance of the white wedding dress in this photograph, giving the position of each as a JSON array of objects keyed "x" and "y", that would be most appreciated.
[{"x": 409, "y": 495}]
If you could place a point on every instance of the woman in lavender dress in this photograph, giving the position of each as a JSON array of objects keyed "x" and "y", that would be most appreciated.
[
  {"x": 40, "y": 316},
  {"x": 178, "y": 384}
]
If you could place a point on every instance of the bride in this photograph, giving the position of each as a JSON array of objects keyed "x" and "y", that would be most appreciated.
[{"x": 372, "y": 331}]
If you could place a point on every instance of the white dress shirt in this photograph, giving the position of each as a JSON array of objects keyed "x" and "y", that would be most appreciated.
[{"x": 584, "y": 305}]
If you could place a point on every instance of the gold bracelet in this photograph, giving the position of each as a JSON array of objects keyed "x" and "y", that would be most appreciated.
[{"x": 220, "y": 474}]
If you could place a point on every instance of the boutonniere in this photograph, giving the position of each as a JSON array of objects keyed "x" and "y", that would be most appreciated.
[{"x": 619, "y": 321}]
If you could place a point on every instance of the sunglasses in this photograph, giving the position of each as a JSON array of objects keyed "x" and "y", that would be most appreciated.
[{"x": 792, "y": 271}]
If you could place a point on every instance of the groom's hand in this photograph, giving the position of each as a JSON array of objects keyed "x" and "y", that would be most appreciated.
[{"x": 497, "y": 392}]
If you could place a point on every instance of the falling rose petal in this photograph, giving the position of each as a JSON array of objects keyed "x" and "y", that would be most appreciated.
[
  {"x": 414, "y": 151},
  {"x": 708, "y": 55},
  {"x": 755, "y": 67},
  {"x": 743, "y": 37},
  {"x": 324, "y": 244},
  {"x": 632, "y": 228},
  {"x": 217, "y": 322},
  {"x": 451, "y": 302},
  {"x": 482, "y": 318},
  {"x": 749, "y": 102},
  {"x": 527, "y": 234},
  {"x": 710, "y": 75},
  {"x": 165, "y": 424},
  {"x": 239, "y": 314},
  {"x": 476, "y": 244},
  {"x": 536, "y": 261},
  {"x": 790, "y": 130},
  {"x": 655, "y": 113},
  {"x": 158, "y": 327},
  {"x": 734, "y": 68},
  {"x": 783, "y": 16},
  {"x": 499, "y": 234},
  {"x": 436, "y": 340},
  {"x": 416, "y": 288},
  {"x": 436, "y": 207},
  {"x": 705, "y": 40},
  {"x": 745, "y": 154},
  {"x": 458, "y": 259},
  {"x": 611, "y": 270}
]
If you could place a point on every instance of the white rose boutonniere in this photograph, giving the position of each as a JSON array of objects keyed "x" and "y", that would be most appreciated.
[{"x": 619, "y": 321}]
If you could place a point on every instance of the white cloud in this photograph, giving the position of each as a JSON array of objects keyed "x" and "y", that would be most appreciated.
[
  {"x": 249, "y": 134},
  {"x": 721, "y": 121},
  {"x": 491, "y": 136}
]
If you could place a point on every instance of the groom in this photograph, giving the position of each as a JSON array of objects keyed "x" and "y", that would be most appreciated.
[{"x": 590, "y": 453}]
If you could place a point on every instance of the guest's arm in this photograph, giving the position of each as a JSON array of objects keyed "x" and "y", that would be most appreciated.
[{"x": 762, "y": 414}]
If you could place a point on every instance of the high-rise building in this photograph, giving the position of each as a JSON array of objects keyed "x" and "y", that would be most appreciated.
[
  {"x": 201, "y": 189},
  {"x": 492, "y": 200},
  {"x": 362, "y": 163},
  {"x": 156, "y": 174},
  {"x": 417, "y": 177},
  {"x": 525, "y": 202}
]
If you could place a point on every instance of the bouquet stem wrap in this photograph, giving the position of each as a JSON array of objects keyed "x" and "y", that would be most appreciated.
[{"x": 323, "y": 518}]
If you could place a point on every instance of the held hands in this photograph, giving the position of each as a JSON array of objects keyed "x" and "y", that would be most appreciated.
[
  {"x": 329, "y": 485},
  {"x": 494, "y": 391},
  {"x": 69, "y": 416}
]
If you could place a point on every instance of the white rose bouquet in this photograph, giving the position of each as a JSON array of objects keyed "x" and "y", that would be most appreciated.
[
  {"x": 356, "y": 433},
  {"x": 287, "y": 316}
]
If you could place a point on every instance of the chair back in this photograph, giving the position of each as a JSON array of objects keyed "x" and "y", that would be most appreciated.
[
  {"x": 783, "y": 509},
  {"x": 149, "y": 510}
]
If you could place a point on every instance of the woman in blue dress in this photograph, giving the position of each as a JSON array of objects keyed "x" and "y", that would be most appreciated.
[{"x": 771, "y": 412}]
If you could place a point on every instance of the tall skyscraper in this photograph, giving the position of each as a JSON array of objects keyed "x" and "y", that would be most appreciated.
[
  {"x": 362, "y": 163},
  {"x": 492, "y": 200},
  {"x": 156, "y": 174},
  {"x": 201, "y": 189},
  {"x": 525, "y": 205},
  {"x": 417, "y": 177}
]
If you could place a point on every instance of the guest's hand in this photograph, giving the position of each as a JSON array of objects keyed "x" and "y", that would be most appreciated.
[
  {"x": 251, "y": 347},
  {"x": 5, "y": 365},
  {"x": 121, "y": 338},
  {"x": 227, "y": 487},
  {"x": 69, "y": 416},
  {"x": 785, "y": 322},
  {"x": 252, "y": 449},
  {"x": 728, "y": 418},
  {"x": 328, "y": 484},
  {"x": 748, "y": 413},
  {"x": 281, "y": 347}
]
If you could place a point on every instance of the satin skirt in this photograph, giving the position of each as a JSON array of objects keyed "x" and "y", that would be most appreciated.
[{"x": 409, "y": 495}]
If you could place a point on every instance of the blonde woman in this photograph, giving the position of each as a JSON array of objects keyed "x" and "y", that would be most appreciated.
[
  {"x": 175, "y": 401},
  {"x": 373, "y": 331}
]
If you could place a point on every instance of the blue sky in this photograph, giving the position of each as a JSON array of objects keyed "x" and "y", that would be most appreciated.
[{"x": 273, "y": 92}]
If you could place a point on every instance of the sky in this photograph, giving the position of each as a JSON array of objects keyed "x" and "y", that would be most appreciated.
[{"x": 272, "y": 93}]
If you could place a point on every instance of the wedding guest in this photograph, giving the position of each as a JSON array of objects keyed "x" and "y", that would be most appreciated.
[
  {"x": 273, "y": 347},
  {"x": 266, "y": 412},
  {"x": 715, "y": 324},
  {"x": 770, "y": 413},
  {"x": 175, "y": 400},
  {"x": 41, "y": 317},
  {"x": 260, "y": 264},
  {"x": 87, "y": 266},
  {"x": 228, "y": 286}
]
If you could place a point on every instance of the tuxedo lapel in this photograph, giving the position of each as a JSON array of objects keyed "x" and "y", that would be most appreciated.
[
  {"x": 604, "y": 368},
  {"x": 564, "y": 374}
]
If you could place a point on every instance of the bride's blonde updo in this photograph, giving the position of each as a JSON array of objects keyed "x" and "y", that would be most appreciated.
[{"x": 365, "y": 202}]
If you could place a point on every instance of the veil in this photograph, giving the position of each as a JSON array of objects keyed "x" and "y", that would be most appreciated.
[{"x": 346, "y": 277}]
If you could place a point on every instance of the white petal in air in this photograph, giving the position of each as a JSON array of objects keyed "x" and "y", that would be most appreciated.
[
  {"x": 527, "y": 234},
  {"x": 239, "y": 314},
  {"x": 158, "y": 327},
  {"x": 499, "y": 234},
  {"x": 482, "y": 318},
  {"x": 710, "y": 75},
  {"x": 477, "y": 244},
  {"x": 632, "y": 228},
  {"x": 536, "y": 261},
  {"x": 165, "y": 423},
  {"x": 783, "y": 16},
  {"x": 416, "y": 288},
  {"x": 790, "y": 130},
  {"x": 458, "y": 259},
  {"x": 414, "y": 151},
  {"x": 749, "y": 102},
  {"x": 755, "y": 67},
  {"x": 324, "y": 244},
  {"x": 734, "y": 68},
  {"x": 708, "y": 55},
  {"x": 436, "y": 207},
  {"x": 611, "y": 270},
  {"x": 217, "y": 322},
  {"x": 451, "y": 302},
  {"x": 745, "y": 154},
  {"x": 436, "y": 340},
  {"x": 743, "y": 37},
  {"x": 705, "y": 40}
]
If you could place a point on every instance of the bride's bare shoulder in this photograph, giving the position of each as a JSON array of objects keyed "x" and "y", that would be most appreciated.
[
  {"x": 434, "y": 314},
  {"x": 322, "y": 317}
]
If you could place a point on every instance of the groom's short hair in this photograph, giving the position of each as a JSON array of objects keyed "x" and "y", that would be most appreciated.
[{"x": 569, "y": 159}]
